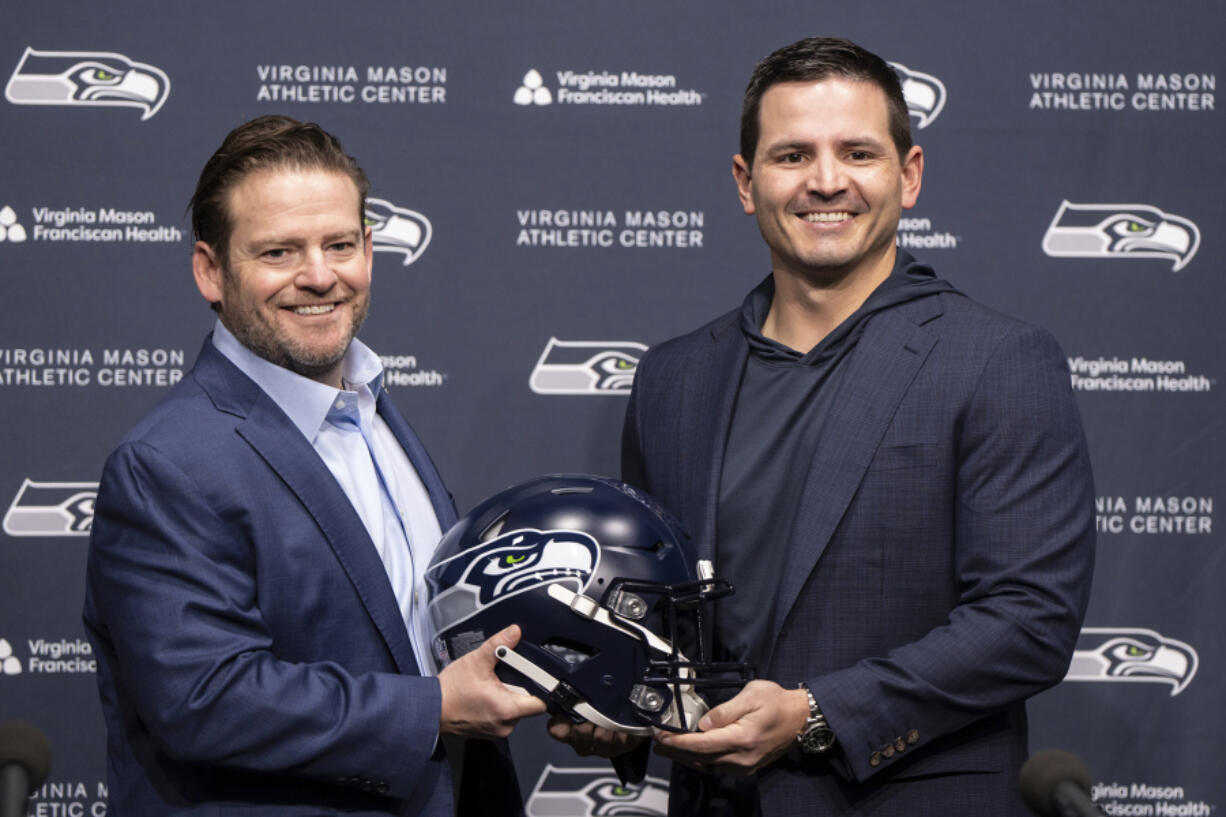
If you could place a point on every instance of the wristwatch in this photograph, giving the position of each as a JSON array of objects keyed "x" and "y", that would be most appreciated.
[{"x": 817, "y": 736}]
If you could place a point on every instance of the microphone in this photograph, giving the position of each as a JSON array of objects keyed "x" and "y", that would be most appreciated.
[
  {"x": 1056, "y": 783},
  {"x": 25, "y": 759}
]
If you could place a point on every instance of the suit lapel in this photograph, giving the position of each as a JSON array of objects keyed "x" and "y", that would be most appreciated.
[
  {"x": 882, "y": 367},
  {"x": 444, "y": 506},
  {"x": 703, "y": 433},
  {"x": 267, "y": 430}
]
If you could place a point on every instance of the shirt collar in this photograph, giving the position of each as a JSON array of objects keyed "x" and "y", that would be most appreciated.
[{"x": 305, "y": 401}]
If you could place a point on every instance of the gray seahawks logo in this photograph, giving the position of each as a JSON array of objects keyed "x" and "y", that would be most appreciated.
[
  {"x": 924, "y": 93},
  {"x": 591, "y": 792},
  {"x": 397, "y": 229},
  {"x": 51, "y": 509},
  {"x": 515, "y": 562},
  {"x": 586, "y": 367},
  {"x": 1132, "y": 655},
  {"x": 87, "y": 78},
  {"x": 1121, "y": 231}
]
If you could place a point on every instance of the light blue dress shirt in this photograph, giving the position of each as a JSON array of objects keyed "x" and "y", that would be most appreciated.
[{"x": 344, "y": 429}]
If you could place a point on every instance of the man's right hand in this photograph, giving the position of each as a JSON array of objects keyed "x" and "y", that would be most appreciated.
[{"x": 475, "y": 702}]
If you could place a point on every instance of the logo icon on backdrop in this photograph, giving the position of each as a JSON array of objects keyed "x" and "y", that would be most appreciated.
[
  {"x": 533, "y": 90},
  {"x": 87, "y": 78},
  {"x": 586, "y": 367},
  {"x": 9, "y": 663},
  {"x": 1132, "y": 655},
  {"x": 924, "y": 93},
  {"x": 51, "y": 509},
  {"x": 1121, "y": 231},
  {"x": 397, "y": 229},
  {"x": 10, "y": 230},
  {"x": 590, "y": 792}
]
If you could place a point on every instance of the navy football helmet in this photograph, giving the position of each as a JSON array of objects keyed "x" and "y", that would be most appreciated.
[{"x": 607, "y": 591}]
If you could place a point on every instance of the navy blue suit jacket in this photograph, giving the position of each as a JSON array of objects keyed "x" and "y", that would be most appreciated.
[
  {"x": 252, "y": 655},
  {"x": 939, "y": 566}
]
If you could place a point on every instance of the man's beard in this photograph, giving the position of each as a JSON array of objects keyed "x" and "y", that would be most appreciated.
[{"x": 252, "y": 328}]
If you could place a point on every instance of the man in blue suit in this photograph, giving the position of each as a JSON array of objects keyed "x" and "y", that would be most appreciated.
[
  {"x": 894, "y": 477},
  {"x": 260, "y": 537}
]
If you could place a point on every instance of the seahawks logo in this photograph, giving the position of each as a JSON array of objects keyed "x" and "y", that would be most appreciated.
[
  {"x": 87, "y": 78},
  {"x": 1132, "y": 656},
  {"x": 586, "y": 367},
  {"x": 924, "y": 93},
  {"x": 1121, "y": 231},
  {"x": 51, "y": 509},
  {"x": 397, "y": 229},
  {"x": 514, "y": 562},
  {"x": 591, "y": 792}
]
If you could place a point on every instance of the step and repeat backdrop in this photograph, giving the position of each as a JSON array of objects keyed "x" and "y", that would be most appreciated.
[{"x": 551, "y": 190}]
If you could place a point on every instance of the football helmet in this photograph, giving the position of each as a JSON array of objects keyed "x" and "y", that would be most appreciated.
[{"x": 606, "y": 590}]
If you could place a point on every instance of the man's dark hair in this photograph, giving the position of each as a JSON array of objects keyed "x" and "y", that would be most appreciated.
[
  {"x": 814, "y": 59},
  {"x": 266, "y": 143}
]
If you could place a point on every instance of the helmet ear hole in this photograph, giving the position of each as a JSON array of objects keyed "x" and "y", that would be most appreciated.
[
  {"x": 661, "y": 548},
  {"x": 572, "y": 652}
]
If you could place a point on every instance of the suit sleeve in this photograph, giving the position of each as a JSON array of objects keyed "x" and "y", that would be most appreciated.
[
  {"x": 173, "y": 584},
  {"x": 1023, "y": 557}
]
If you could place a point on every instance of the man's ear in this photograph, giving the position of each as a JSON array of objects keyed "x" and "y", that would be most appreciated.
[
  {"x": 912, "y": 176},
  {"x": 206, "y": 268},
  {"x": 743, "y": 176}
]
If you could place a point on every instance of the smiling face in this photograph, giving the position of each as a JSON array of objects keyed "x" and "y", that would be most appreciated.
[
  {"x": 296, "y": 285},
  {"x": 826, "y": 182}
]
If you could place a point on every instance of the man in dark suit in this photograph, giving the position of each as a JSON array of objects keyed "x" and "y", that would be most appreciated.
[
  {"x": 894, "y": 477},
  {"x": 260, "y": 537}
]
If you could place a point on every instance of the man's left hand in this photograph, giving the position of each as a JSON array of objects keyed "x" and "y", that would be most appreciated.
[{"x": 744, "y": 734}]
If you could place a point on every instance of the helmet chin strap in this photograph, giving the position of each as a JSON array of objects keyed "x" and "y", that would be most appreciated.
[{"x": 693, "y": 707}]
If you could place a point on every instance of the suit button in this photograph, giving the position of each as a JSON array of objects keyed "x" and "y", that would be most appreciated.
[
  {"x": 874, "y": 759},
  {"x": 382, "y": 787},
  {"x": 913, "y": 737},
  {"x": 366, "y": 785},
  {"x": 900, "y": 744},
  {"x": 888, "y": 751}
]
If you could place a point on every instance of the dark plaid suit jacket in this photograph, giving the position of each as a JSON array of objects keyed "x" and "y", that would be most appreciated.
[{"x": 939, "y": 565}]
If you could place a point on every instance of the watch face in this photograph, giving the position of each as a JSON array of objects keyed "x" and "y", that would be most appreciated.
[{"x": 819, "y": 739}]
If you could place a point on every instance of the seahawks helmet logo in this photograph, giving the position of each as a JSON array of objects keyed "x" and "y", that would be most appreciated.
[
  {"x": 1121, "y": 231},
  {"x": 397, "y": 229},
  {"x": 1132, "y": 655},
  {"x": 87, "y": 78},
  {"x": 591, "y": 792},
  {"x": 51, "y": 509},
  {"x": 514, "y": 562},
  {"x": 924, "y": 93},
  {"x": 586, "y": 367}
]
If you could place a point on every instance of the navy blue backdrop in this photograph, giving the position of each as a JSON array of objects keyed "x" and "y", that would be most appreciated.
[{"x": 551, "y": 182}]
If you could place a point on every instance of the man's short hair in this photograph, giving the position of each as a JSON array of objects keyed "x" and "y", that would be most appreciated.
[
  {"x": 815, "y": 59},
  {"x": 271, "y": 142}
]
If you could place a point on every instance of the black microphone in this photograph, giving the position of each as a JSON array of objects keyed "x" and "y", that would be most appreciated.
[
  {"x": 25, "y": 759},
  {"x": 1056, "y": 783}
]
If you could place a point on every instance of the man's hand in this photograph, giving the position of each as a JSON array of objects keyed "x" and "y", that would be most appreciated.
[
  {"x": 744, "y": 734},
  {"x": 587, "y": 739},
  {"x": 475, "y": 702}
]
